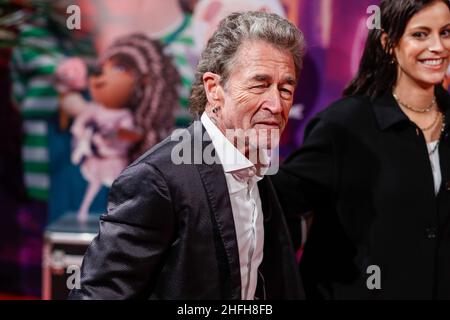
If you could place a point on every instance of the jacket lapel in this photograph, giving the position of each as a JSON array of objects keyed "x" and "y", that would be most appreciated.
[
  {"x": 443, "y": 99},
  {"x": 215, "y": 184},
  {"x": 279, "y": 268}
]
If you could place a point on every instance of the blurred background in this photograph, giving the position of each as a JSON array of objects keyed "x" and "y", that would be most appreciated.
[{"x": 40, "y": 97}]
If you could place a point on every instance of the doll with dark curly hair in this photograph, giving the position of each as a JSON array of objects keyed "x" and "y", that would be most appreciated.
[{"x": 134, "y": 91}]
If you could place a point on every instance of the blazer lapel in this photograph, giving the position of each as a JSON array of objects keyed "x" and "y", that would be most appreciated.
[
  {"x": 279, "y": 267},
  {"x": 215, "y": 184},
  {"x": 443, "y": 99}
]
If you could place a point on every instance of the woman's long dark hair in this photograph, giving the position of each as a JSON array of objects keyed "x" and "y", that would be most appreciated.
[{"x": 378, "y": 68}]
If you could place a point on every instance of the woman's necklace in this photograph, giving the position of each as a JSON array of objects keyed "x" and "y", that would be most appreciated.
[
  {"x": 424, "y": 110},
  {"x": 418, "y": 110},
  {"x": 434, "y": 122}
]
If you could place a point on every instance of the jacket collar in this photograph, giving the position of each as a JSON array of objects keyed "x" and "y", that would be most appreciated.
[
  {"x": 230, "y": 157},
  {"x": 389, "y": 114}
]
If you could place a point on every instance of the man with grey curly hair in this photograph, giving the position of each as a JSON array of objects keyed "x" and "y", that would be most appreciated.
[
  {"x": 220, "y": 54},
  {"x": 202, "y": 229}
]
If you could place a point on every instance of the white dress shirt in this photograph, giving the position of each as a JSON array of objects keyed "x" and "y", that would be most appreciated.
[{"x": 242, "y": 179}]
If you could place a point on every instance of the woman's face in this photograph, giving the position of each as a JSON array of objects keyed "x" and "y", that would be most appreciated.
[
  {"x": 114, "y": 87},
  {"x": 424, "y": 49}
]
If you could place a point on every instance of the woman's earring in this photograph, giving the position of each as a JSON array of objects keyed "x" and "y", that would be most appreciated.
[{"x": 393, "y": 60}]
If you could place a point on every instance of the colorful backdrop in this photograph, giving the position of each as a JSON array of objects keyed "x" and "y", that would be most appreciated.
[{"x": 335, "y": 33}]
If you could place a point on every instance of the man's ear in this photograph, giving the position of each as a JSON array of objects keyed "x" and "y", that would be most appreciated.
[{"x": 213, "y": 89}]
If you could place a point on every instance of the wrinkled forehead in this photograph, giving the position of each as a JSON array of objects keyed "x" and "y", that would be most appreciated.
[{"x": 257, "y": 56}]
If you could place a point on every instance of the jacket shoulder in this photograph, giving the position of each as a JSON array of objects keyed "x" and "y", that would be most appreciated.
[
  {"x": 347, "y": 111},
  {"x": 171, "y": 160},
  {"x": 166, "y": 154}
]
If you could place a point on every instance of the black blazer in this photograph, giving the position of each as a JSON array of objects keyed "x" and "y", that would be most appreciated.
[
  {"x": 169, "y": 234},
  {"x": 365, "y": 171}
]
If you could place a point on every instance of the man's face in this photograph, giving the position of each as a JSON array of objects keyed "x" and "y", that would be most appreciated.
[{"x": 259, "y": 91}]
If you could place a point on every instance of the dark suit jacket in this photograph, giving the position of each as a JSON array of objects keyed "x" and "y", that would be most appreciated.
[
  {"x": 169, "y": 234},
  {"x": 364, "y": 170}
]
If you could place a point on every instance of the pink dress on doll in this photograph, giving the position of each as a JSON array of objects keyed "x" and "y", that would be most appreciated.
[{"x": 98, "y": 149}]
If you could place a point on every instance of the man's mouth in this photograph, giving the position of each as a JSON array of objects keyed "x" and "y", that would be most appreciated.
[{"x": 269, "y": 123}]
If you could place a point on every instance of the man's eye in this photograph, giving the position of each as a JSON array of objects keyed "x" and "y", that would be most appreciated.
[
  {"x": 286, "y": 92},
  {"x": 286, "y": 95}
]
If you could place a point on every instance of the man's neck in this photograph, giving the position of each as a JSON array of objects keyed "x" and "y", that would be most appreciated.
[
  {"x": 255, "y": 155},
  {"x": 251, "y": 152}
]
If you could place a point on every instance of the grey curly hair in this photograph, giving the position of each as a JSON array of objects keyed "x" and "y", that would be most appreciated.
[{"x": 232, "y": 32}]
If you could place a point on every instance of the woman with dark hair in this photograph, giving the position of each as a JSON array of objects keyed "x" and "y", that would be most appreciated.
[{"x": 375, "y": 168}]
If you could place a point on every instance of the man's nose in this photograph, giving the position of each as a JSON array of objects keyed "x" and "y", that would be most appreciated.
[{"x": 273, "y": 102}]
